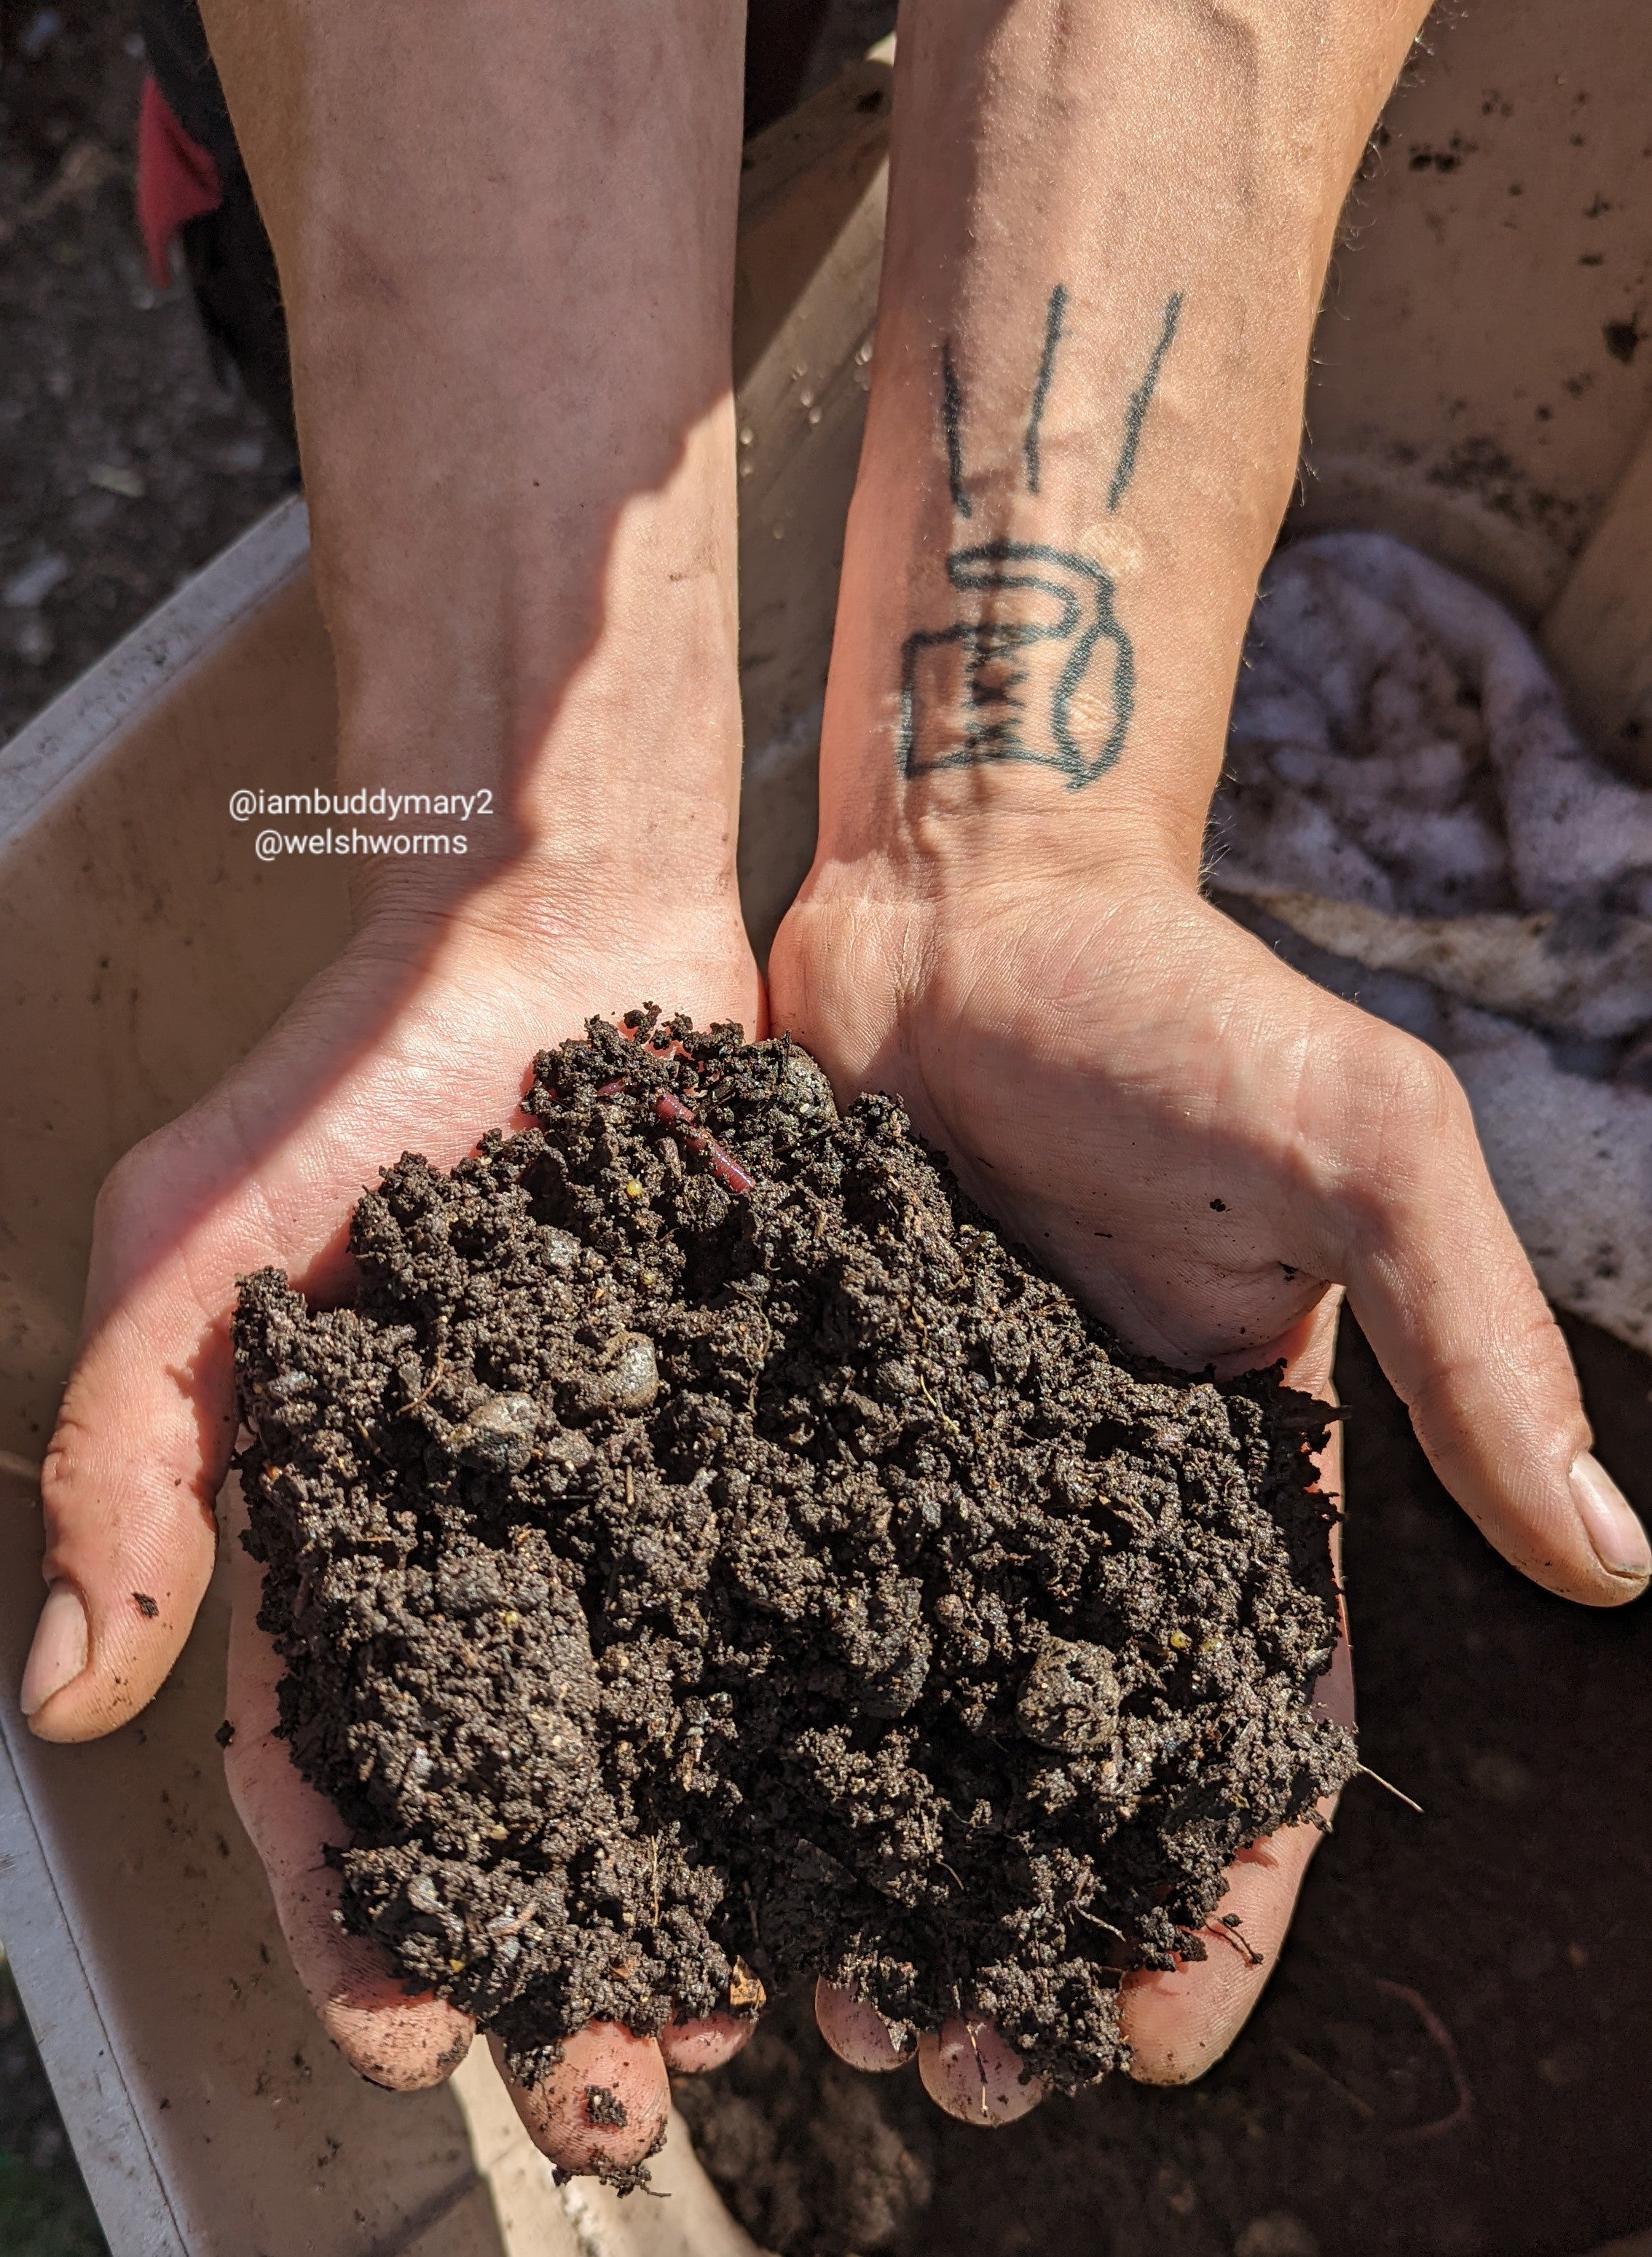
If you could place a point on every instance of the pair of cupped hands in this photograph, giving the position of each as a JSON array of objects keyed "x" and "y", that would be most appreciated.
[{"x": 1207, "y": 1148}]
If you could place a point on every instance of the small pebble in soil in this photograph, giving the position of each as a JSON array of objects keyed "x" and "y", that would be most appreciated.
[{"x": 708, "y": 1556}]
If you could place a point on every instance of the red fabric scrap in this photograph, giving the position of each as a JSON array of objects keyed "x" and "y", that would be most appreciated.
[{"x": 177, "y": 181}]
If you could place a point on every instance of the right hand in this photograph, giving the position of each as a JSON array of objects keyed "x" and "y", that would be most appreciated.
[
  {"x": 1205, "y": 1148},
  {"x": 417, "y": 1038}
]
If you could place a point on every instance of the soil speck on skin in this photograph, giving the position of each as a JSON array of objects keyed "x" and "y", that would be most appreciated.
[
  {"x": 1623, "y": 339},
  {"x": 699, "y": 1588},
  {"x": 605, "y": 2108}
]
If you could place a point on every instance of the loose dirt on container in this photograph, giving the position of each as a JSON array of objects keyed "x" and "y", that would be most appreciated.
[{"x": 708, "y": 1556}]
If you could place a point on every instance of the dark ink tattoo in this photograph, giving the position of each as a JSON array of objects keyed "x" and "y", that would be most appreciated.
[
  {"x": 1039, "y": 667},
  {"x": 1140, "y": 399},
  {"x": 1003, "y": 686},
  {"x": 1040, "y": 389},
  {"x": 951, "y": 417}
]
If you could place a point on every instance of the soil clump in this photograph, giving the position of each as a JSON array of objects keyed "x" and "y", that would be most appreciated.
[{"x": 707, "y": 1556}]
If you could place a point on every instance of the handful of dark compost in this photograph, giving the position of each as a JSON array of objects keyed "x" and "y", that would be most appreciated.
[{"x": 707, "y": 1554}]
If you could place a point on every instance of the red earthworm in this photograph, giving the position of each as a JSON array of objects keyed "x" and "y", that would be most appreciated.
[
  {"x": 729, "y": 1172},
  {"x": 1442, "y": 2040},
  {"x": 674, "y": 1113}
]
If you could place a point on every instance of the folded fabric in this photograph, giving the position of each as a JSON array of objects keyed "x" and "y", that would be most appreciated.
[{"x": 1408, "y": 815}]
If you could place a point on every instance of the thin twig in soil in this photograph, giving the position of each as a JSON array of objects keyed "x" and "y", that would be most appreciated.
[
  {"x": 1366, "y": 1772},
  {"x": 1306, "y": 2060},
  {"x": 513, "y": 1923},
  {"x": 1447, "y": 2047},
  {"x": 987, "y": 2112},
  {"x": 407, "y": 1409}
]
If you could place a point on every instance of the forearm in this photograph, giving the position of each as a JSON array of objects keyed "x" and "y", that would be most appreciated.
[
  {"x": 506, "y": 241},
  {"x": 1109, "y": 227}
]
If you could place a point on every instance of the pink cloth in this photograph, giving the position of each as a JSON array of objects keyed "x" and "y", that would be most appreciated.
[{"x": 177, "y": 181}]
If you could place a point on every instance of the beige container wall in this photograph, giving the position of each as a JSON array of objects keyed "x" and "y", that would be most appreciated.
[
  {"x": 143, "y": 948},
  {"x": 1477, "y": 386}
]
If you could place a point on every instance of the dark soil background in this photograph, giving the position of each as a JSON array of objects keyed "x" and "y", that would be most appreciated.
[
  {"x": 44, "y": 2209},
  {"x": 125, "y": 462}
]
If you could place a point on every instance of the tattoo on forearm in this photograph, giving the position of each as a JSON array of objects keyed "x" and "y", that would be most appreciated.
[
  {"x": 1011, "y": 679},
  {"x": 1041, "y": 390},
  {"x": 1140, "y": 399},
  {"x": 997, "y": 688},
  {"x": 951, "y": 415}
]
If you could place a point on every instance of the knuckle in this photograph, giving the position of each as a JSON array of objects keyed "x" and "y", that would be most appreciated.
[
  {"x": 62, "y": 1469},
  {"x": 125, "y": 1191},
  {"x": 1421, "y": 1098}
]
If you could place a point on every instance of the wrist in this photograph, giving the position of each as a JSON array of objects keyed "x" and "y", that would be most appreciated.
[
  {"x": 590, "y": 701},
  {"x": 944, "y": 889},
  {"x": 544, "y": 905}
]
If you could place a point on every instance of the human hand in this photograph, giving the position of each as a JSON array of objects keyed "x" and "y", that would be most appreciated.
[
  {"x": 1206, "y": 1148},
  {"x": 417, "y": 1038}
]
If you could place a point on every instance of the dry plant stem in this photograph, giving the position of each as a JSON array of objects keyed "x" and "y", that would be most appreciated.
[{"x": 970, "y": 2071}]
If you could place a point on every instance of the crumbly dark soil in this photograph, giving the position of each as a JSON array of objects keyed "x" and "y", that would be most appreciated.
[{"x": 681, "y": 1582}]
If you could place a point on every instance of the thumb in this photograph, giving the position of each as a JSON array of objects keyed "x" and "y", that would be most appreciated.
[
  {"x": 1445, "y": 1295},
  {"x": 142, "y": 1444}
]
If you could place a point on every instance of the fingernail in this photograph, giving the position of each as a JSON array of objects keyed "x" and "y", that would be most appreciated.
[
  {"x": 60, "y": 1646},
  {"x": 1611, "y": 1522}
]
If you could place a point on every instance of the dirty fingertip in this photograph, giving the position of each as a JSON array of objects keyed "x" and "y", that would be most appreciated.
[
  {"x": 604, "y": 2108},
  {"x": 1179, "y": 2022},
  {"x": 689, "y": 2047},
  {"x": 974, "y": 2074},
  {"x": 406, "y": 2047},
  {"x": 857, "y": 2033},
  {"x": 1158, "y": 2057}
]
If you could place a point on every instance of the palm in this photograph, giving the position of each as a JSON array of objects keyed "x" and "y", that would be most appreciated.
[{"x": 1136, "y": 1089}]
